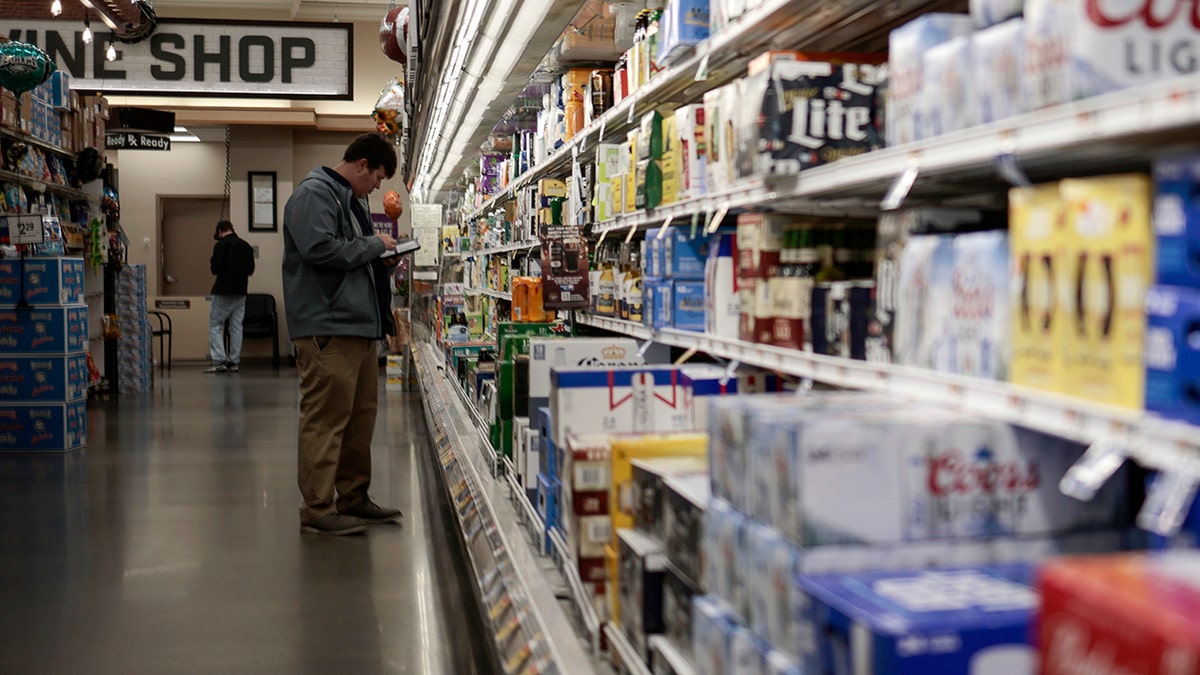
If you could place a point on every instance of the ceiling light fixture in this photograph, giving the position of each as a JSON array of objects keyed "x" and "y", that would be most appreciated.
[
  {"x": 111, "y": 54},
  {"x": 87, "y": 32},
  {"x": 56, "y": 8}
]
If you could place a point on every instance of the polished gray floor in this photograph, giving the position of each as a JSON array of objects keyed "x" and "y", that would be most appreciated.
[{"x": 172, "y": 545}]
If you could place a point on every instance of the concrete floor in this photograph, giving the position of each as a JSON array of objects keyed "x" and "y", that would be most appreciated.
[{"x": 171, "y": 544}]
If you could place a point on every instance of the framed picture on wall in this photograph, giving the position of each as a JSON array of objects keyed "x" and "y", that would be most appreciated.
[{"x": 262, "y": 201}]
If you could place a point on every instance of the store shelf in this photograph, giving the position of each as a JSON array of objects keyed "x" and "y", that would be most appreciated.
[
  {"x": 631, "y": 662},
  {"x": 1122, "y": 131},
  {"x": 499, "y": 295},
  {"x": 32, "y": 140},
  {"x": 776, "y": 24},
  {"x": 41, "y": 186},
  {"x": 1152, "y": 441},
  {"x": 528, "y": 626},
  {"x": 679, "y": 663},
  {"x": 507, "y": 248}
]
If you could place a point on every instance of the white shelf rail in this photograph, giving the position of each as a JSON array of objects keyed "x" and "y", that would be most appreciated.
[{"x": 1152, "y": 441}]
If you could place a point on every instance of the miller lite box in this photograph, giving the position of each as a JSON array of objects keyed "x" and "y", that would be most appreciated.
[
  {"x": 1177, "y": 220},
  {"x": 1172, "y": 352},
  {"x": 800, "y": 114},
  {"x": 48, "y": 281},
  {"x": 1081, "y": 49},
  {"x": 907, "y": 113},
  {"x": 898, "y": 477},
  {"x": 1110, "y": 257},
  {"x": 617, "y": 400},
  {"x": 1131, "y": 613},
  {"x": 975, "y": 620}
]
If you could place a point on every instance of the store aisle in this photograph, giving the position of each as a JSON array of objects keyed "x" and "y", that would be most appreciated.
[{"x": 172, "y": 545}]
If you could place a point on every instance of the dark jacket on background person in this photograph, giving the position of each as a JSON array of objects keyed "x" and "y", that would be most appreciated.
[
  {"x": 232, "y": 262},
  {"x": 329, "y": 262}
]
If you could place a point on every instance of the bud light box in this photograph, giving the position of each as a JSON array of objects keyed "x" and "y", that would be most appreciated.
[
  {"x": 801, "y": 114},
  {"x": 973, "y": 620},
  {"x": 43, "y": 426},
  {"x": 588, "y": 401},
  {"x": 684, "y": 256},
  {"x": 1177, "y": 220},
  {"x": 44, "y": 330},
  {"x": 1173, "y": 352},
  {"x": 1130, "y": 613},
  {"x": 657, "y": 303},
  {"x": 48, "y": 281},
  {"x": 51, "y": 377}
]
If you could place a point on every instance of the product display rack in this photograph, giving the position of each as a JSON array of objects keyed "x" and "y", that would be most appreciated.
[
  {"x": 499, "y": 295},
  {"x": 529, "y": 630},
  {"x": 1152, "y": 441}
]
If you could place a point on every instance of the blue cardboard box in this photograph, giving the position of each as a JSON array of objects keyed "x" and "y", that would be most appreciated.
[
  {"x": 43, "y": 426},
  {"x": 1172, "y": 352},
  {"x": 547, "y": 461},
  {"x": 547, "y": 501},
  {"x": 48, "y": 281},
  {"x": 44, "y": 330},
  {"x": 654, "y": 261},
  {"x": 684, "y": 256},
  {"x": 656, "y": 302},
  {"x": 687, "y": 310},
  {"x": 1177, "y": 220},
  {"x": 52, "y": 377},
  {"x": 962, "y": 620}
]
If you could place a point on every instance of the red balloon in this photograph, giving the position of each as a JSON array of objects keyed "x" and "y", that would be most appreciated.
[
  {"x": 392, "y": 205},
  {"x": 393, "y": 35}
]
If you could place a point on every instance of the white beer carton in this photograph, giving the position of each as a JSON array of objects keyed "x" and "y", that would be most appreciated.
[
  {"x": 906, "y": 69},
  {"x": 948, "y": 87},
  {"x": 997, "y": 68}
]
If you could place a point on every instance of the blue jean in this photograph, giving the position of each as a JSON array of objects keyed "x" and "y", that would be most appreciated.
[{"x": 232, "y": 307}]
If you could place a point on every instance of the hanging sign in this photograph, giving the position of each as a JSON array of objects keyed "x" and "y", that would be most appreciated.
[
  {"x": 132, "y": 140},
  {"x": 193, "y": 57}
]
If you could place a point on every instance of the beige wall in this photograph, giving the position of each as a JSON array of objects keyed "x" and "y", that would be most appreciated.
[{"x": 198, "y": 169}]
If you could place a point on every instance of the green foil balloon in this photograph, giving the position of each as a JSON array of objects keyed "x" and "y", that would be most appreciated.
[{"x": 23, "y": 67}]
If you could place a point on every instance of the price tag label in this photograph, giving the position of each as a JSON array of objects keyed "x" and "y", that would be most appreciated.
[
  {"x": 603, "y": 125},
  {"x": 632, "y": 108},
  {"x": 1167, "y": 503},
  {"x": 902, "y": 186},
  {"x": 632, "y": 231},
  {"x": 1093, "y": 469},
  {"x": 603, "y": 235},
  {"x": 1009, "y": 168},
  {"x": 702, "y": 70},
  {"x": 662, "y": 232},
  {"x": 25, "y": 228},
  {"x": 715, "y": 221}
]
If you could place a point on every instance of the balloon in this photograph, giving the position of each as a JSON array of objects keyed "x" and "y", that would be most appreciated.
[
  {"x": 23, "y": 67},
  {"x": 392, "y": 205},
  {"x": 389, "y": 114},
  {"x": 393, "y": 34}
]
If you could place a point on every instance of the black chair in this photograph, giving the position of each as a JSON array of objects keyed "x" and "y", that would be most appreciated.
[
  {"x": 261, "y": 321},
  {"x": 163, "y": 333}
]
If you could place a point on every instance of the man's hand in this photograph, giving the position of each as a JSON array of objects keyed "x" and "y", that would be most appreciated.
[{"x": 389, "y": 242}]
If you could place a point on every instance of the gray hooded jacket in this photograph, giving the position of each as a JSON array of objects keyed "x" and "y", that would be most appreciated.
[{"x": 328, "y": 282}]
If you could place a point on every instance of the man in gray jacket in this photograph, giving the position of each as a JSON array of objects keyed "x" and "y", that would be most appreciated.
[{"x": 336, "y": 296}]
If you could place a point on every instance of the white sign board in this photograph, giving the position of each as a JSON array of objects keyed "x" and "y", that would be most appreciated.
[
  {"x": 24, "y": 229},
  {"x": 204, "y": 58},
  {"x": 427, "y": 229}
]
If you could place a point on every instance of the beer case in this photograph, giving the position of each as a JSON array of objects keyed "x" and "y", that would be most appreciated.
[
  {"x": 1110, "y": 259},
  {"x": 1125, "y": 613},
  {"x": 1038, "y": 301},
  {"x": 966, "y": 620}
]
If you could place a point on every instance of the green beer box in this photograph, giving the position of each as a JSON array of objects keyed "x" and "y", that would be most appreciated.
[{"x": 507, "y": 330}]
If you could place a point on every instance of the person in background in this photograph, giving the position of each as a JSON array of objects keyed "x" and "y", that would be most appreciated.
[
  {"x": 335, "y": 288},
  {"x": 232, "y": 262}
]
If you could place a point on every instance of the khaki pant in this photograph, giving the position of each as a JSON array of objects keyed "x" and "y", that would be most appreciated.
[{"x": 339, "y": 397}]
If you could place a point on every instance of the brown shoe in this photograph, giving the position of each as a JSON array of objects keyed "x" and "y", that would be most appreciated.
[
  {"x": 371, "y": 513},
  {"x": 334, "y": 524}
]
